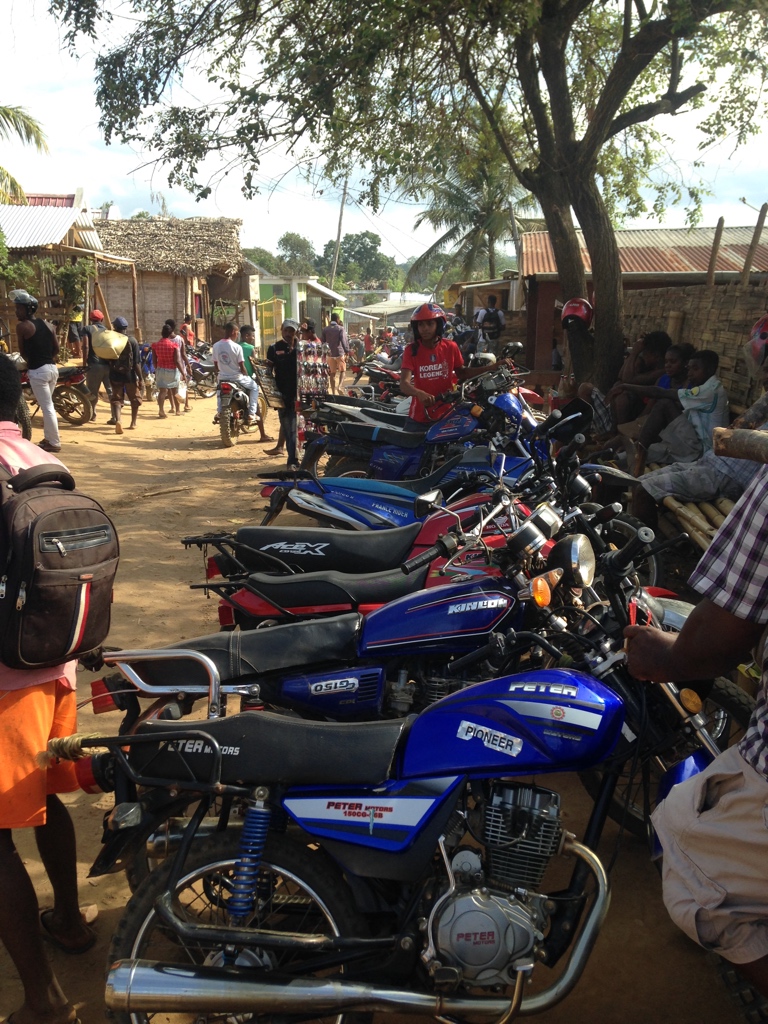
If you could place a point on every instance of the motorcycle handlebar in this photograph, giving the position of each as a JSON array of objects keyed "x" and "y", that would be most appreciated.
[
  {"x": 444, "y": 548},
  {"x": 569, "y": 449},
  {"x": 549, "y": 422},
  {"x": 621, "y": 560}
]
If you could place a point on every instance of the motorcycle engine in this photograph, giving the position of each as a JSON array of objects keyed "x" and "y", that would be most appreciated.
[{"x": 482, "y": 932}]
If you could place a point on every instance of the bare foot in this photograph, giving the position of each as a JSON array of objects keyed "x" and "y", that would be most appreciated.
[{"x": 75, "y": 940}]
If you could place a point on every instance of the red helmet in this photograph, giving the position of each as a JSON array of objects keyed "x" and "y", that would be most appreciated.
[
  {"x": 757, "y": 346},
  {"x": 428, "y": 311},
  {"x": 578, "y": 309}
]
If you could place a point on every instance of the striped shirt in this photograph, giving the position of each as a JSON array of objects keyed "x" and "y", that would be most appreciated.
[{"x": 733, "y": 574}]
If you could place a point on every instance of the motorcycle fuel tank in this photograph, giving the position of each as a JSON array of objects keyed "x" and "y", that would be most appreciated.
[
  {"x": 459, "y": 424},
  {"x": 456, "y": 617},
  {"x": 552, "y": 720}
]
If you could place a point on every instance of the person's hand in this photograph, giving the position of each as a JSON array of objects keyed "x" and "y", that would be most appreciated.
[
  {"x": 426, "y": 400},
  {"x": 649, "y": 652},
  {"x": 617, "y": 389}
]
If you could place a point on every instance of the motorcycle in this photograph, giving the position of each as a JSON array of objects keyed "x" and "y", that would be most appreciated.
[
  {"x": 232, "y": 420},
  {"x": 70, "y": 396},
  {"x": 482, "y": 408},
  {"x": 203, "y": 379},
  {"x": 388, "y": 866}
]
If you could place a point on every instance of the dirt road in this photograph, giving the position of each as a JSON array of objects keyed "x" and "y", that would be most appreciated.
[{"x": 169, "y": 478}]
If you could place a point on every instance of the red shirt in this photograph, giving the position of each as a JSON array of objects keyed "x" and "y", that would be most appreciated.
[
  {"x": 432, "y": 371},
  {"x": 164, "y": 358}
]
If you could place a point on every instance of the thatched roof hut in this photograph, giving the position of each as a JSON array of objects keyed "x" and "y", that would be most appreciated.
[
  {"x": 182, "y": 266},
  {"x": 194, "y": 247}
]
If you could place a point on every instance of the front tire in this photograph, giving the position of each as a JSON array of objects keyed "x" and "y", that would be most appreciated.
[
  {"x": 299, "y": 891},
  {"x": 72, "y": 405},
  {"x": 728, "y": 709}
]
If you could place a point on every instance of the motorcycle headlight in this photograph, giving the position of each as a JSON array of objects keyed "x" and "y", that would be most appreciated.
[{"x": 574, "y": 555}]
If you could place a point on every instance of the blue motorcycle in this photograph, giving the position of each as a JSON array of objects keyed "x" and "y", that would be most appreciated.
[
  {"x": 395, "y": 866},
  {"x": 484, "y": 408}
]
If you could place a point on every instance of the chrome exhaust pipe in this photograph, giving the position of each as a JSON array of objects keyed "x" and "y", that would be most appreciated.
[{"x": 144, "y": 985}]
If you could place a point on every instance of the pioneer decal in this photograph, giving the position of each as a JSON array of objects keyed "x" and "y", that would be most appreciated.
[
  {"x": 501, "y": 741},
  {"x": 567, "y": 715},
  {"x": 401, "y": 811},
  {"x": 297, "y": 547},
  {"x": 479, "y": 605},
  {"x": 348, "y": 685},
  {"x": 555, "y": 689},
  {"x": 199, "y": 747}
]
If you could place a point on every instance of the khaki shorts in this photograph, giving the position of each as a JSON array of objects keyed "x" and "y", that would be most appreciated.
[
  {"x": 28, "y": 719},
  {"x": 714, "y": 833},
  {"x": 337, "y": 364}
]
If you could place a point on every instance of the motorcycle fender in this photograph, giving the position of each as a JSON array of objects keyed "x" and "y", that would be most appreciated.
[{"x": 680, "y": 772}]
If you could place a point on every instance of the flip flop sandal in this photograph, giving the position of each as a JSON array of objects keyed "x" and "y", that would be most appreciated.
[{"x": 55, "y": 941}]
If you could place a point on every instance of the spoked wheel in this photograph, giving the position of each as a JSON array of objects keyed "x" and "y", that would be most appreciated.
[
  {"x": 205, "y": 387},
  {"x": 727, "y": 710},
  {"x": 298, "y": 891},
  {"x": 72, "y": 405}
]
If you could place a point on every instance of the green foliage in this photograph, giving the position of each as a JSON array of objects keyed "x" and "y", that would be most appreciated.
[
  {"x": 16, "y": 121},
  {"x": 297, "y": 253},
  {"x": 69, "y": 278},
  {"x": 141, "y": 215},
  {"x": 360, "y": 261},
  {"x": 571, "y": 92},
  {"x": 472, "y": 203},
  {"x": 265, "y": 259}
]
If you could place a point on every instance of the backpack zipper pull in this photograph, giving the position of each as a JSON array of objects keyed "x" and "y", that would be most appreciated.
[
  {"x": 22, "y": 598},
  {"x": 57, "y": 543},
  {"x": 3, "y": 587}
]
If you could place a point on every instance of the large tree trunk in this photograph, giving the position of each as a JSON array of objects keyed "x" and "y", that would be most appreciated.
[
  {"x": 491, "y": 256},
  {"x": 608, "y": 348},
  {"x": 555, "y": 203}
]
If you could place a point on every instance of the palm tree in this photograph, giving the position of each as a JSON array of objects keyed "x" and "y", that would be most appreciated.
[
  {"x": 16, "y": 121},
  {"x": 473, "y": 203}
]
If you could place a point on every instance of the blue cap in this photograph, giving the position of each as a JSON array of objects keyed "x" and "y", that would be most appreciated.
[{"x": 120, "y": 323}]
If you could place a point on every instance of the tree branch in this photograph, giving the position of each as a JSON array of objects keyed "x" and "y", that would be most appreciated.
[{"x": 666, "y": 105}]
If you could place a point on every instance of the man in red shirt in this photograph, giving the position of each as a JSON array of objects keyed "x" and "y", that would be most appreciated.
[{"x": 431, "y": 366}]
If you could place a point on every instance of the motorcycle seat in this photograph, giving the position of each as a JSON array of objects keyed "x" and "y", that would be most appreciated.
[
  {"x": 274, "y": 749},
  {"x": 382, "y": 434},
  {"x": 203, "y": 364},
  {"x": 318, "y": 589},
  {"x": 345, "y": 550},
  {"x": 255, "y": 652},
  {"x": 67, "y": 372},
  {"x": 397, "y": 488}
]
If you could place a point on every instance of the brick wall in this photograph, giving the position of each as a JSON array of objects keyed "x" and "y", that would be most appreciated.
[
  {"x": 159, "y": 296},
  {"x": 718, "y": 318}
]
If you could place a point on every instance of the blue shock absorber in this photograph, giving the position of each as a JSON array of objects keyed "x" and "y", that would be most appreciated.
[{"x": 245, "y": 878}]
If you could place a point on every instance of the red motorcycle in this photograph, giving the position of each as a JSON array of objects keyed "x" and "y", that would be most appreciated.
[{"x": 70, "y": 396}]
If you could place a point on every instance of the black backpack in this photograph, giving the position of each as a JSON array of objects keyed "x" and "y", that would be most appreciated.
[
  {"x": 58, "y": 558},
  {"x": 492, "y": 323}
]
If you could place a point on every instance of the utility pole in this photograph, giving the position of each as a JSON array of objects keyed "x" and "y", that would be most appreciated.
[{"x": 338, "y": 233}]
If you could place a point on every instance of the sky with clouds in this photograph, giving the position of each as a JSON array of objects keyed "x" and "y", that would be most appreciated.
[{"x": 57, "y": 89}]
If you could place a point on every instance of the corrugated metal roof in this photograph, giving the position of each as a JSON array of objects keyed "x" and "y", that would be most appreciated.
[
  {"x": 658, "y": 251},
  {"x": 327, "y": 292},
  {"x": 386, "y": 309},
  {"x": 45, "y": 199},
  {"x": 31, "y": 227}
]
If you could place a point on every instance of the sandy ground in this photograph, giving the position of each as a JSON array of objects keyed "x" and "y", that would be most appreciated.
[{"x": 169, "y": 478}]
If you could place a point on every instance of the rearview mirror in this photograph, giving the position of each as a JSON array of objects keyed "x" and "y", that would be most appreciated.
[{"x": 426, "y": 504}]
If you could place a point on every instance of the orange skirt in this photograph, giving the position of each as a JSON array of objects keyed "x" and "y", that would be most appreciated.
[{"x": 28, "y": 719}]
